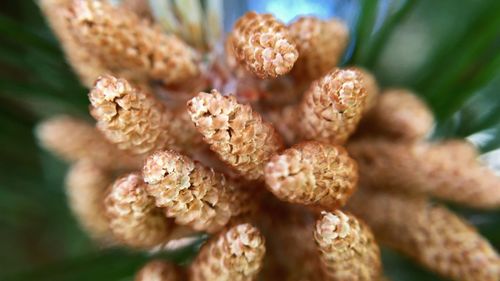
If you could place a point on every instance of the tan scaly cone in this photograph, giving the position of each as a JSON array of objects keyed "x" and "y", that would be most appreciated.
[
  {"x": 87, "y": 66},
  {"x": 235, "y": 132},
  {"x": 157, "y": 270},
  {"x": 86, "y": 185},
  {"x": 429, "y": 233},
  {"x": 136, "y": 121},
  {"x": 447, "y": 170},
  {"x": 193, "y": 194},
  {"x": 233, "y": 255},
  {"x": 332, "y": 107},
  {"x": 371, "y": 87},
  {"x": 399, "y": 115},
  {"x": 263, "y": 45},
  {"x": 133, "y": 217},
  {"x": 320, "y": 43},
  {"x": 347, "y": 248},
  {"x": 312, "y": 173},
  {"x": 73, "y": 139},
  {"x": 129, "y": 45}
]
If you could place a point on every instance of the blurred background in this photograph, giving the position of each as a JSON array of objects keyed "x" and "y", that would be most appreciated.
[{"x": 447, "y": 51}]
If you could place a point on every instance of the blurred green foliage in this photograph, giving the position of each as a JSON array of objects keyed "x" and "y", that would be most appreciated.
[{"x": 448, "y": 52}]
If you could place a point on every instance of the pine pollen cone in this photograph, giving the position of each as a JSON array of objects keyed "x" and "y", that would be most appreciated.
[
  {"x": 86, "y": 185},
  {"x": 235, "y": 254},
  {"x": 447, "y": 170},
  {"x": 332, "y": 107},
  {"x": 320, "y": 43},
  {"x": 128, "y": 45},
  {"x": 235, "y": 132},
  {"x": 347, "y": 248},
  {"x": 134, "y": 119},
  {"x": 400, "y": 115},
  {"x": 191, "y": 193},
  {"x": 133, "y": 217},
  {"x": 431, "y": 234},
  {"x": 313, "y": 173},
  {"x": 263, "y": 45}
]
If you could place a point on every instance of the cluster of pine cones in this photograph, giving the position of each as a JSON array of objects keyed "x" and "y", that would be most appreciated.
[{"x": 296, "y": 168}]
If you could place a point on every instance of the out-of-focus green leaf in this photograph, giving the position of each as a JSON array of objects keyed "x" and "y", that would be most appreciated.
[
  {"x": 14, "y": 208},
  {"x": 478, "y": 117},
  {"x": 379, "y": 39},
  {"x": 364, "y": 27},
  {"x": 398, "y": 267},
  {"x": 21, "y": 90},
  {"x": 33, "y": 209},
  {"x": 22, "y": 34},
  {"x": 443, "y": 90},
  {"x": 418, "y": 45},
  {"x": 106, "y": 265},
  {"x": 480, "y": 112},
  {"x": 450, "y": 38},
  {"x": 25, "y": 90}
]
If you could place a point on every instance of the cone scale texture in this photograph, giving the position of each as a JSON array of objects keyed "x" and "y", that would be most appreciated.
[
  {"x": 312, "y": 173},
  {"x": 191, "y": 193},
  {"x": 235, "y": 254},
  {"x": 130, "y": 46},
  {"x": 135, "y": 120},
  {"x": 332, "y": 107},
  {"x": 235, "y": 132},
  {"x": 347, "y": 248},
  {"x": 263, "y": 45},
  {"x": 133, "y": 217}
]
